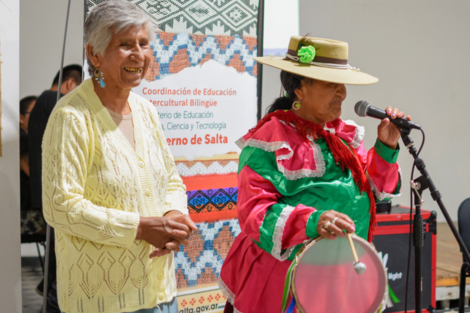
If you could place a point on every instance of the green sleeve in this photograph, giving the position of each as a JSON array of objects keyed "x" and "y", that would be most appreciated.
[
  {"x": 312, "y": 222},
  {"x": 389, "y": 155}
]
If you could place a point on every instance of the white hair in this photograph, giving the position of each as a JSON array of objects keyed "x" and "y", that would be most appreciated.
[{"x": 109, "y": 18}]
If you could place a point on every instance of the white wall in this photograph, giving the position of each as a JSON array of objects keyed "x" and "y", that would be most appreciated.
[
  {"x": 281, "y": 21},
  {"x": 419, "y": 51},
  {"x": 271, "y": 86},
  {"x": 10, "y": 265},
  {"x": 276, "y": 31},
  {"x": 42, "y": 27}
]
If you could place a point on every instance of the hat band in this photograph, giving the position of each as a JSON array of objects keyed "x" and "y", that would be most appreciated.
[{"x": 323, "y": 61}]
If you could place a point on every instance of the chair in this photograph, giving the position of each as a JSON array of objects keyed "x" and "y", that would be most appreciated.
[
  {"x": 38, "y": 240},
  {"x": 463, "y": 218}
]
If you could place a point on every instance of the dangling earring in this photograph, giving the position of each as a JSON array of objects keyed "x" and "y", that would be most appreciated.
[
  {"x": 98, "y": 74},
  {"x": 296, "y": 105}
]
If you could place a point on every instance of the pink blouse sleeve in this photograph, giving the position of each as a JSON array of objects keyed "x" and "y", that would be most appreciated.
[
  {"x": 382, "y": 170},
  {"x": 273, "y": 225}
]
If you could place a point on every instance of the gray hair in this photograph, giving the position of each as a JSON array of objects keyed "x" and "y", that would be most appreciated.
[{"x": 109, "y": 18}]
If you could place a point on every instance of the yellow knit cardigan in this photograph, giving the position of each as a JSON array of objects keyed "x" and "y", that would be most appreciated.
[{"x": 95, "y": 187}]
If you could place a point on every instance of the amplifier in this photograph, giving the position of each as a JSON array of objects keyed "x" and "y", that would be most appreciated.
[{"x": 391, "y": 239}]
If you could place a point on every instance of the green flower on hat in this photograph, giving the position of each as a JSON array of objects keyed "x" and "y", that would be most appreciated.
[{"x": 306, "y": 54}]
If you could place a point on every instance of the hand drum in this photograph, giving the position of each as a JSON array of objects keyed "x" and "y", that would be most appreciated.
[{"x": 324, "y": 279}]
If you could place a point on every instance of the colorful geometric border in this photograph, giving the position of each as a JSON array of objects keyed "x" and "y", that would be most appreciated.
[
  {"x": 208, "y": 300},
  {"x": 212, "y": 204},
  {"x": 192, "y": 168},
  {"x": 209, "y": 17},
  {"x": 200, "y": 262},
  {"x": 174, "y": 52}
]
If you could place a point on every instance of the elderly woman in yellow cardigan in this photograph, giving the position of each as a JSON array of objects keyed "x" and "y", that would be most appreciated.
[{"x": 110, "y": 186}]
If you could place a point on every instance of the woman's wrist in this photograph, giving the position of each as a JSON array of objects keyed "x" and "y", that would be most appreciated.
[
  {"x": 140, "y": 229},
  {"x": 173, "y": 213},
  {"x": 388, "y": 154},
  {"x": 390, "y": 146},
  {"x": 312, "y": 222}
]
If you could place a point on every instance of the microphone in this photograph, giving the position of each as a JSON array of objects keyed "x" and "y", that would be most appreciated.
[{"x": 363, "y": 108}]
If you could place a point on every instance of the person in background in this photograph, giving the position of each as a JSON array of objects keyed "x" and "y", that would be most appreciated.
[
  {"x": 71, "y": 78},
  {"x": 32, "y": 222},
  {"x": 26, "y": 106}
]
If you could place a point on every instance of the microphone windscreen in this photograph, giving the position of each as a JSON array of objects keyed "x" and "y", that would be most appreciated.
[{"x": 361, "y": 108}]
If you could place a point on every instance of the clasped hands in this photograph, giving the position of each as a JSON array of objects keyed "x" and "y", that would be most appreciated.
[{"x": 166, "y": 233}]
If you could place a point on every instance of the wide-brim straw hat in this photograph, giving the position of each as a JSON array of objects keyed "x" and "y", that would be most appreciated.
[{"x": 318, "y": 58}]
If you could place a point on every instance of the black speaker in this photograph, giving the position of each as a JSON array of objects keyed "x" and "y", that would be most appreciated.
[{"x": 391, "y": 239}]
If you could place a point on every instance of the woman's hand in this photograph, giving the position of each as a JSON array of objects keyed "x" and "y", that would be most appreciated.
[
  {"x": 182, "y": 218},
  {"x": 387, "y": 132},
  {"x": 158, "y": 231},
  {"x": 174, "y": 244},
  {"x": 332, "y": 223}
]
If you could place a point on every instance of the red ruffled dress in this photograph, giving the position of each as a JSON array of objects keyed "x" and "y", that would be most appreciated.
[{"x": 285, "y": 184}]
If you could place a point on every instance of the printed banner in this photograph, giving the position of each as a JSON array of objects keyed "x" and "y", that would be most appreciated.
[
  {"x": 203, "y": 109},
  {"x": 210, "y": 301},
  {"x": 202, "y": 81}
]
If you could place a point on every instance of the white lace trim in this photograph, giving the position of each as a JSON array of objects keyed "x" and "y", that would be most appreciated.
[
  {"x": 266, "y": 146},
  {"x": 318, "y": 157},
  {"x": 358, "y": 136},
  {"x": 320, "y": 166},
  {"x": 201, "y": 169},
  {"x": 278, "y": 232},
  {"x": 228, "y": 294},
  {"x": 240, "y": 143},
  {"x": 382, "y": 194}
]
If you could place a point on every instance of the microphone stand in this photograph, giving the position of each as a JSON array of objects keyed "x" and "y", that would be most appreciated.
[{"x": 419, "y": 185}]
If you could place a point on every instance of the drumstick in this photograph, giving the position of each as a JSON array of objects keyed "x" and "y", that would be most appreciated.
[{"x": 358, "y": 266}]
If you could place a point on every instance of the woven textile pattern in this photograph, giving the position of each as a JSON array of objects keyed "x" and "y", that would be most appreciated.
[
  {"x": 203, "y": 168},
  {"x": 174, "y": 52},
  {"x": 212, "y": 200},
  {"x": 206, "y": 17},
  {"x": 200, "y": 261}
]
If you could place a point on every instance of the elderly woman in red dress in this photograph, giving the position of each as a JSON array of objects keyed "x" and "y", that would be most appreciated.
[{"x": 304, "y": 173}]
